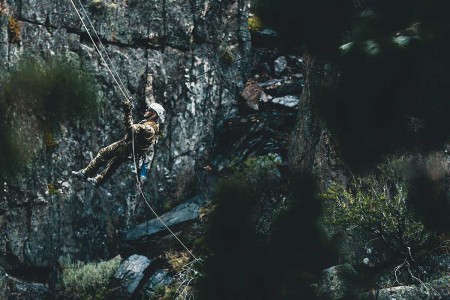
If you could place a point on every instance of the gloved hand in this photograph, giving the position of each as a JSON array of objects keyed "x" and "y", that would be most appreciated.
[{"x": 127, "y": 105}]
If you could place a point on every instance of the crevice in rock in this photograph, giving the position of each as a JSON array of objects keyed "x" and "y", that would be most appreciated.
[
  {"x": 31, "y": 274},
  {"x": 30, "y": 21}
]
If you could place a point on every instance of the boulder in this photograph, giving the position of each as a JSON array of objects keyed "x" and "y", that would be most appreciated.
[
  {"x": 337, "y": 282},
  {"x": 436, "y": 289},
  {"x": 289, "y": 101},
  {"x": 252, "y": 95},
  {"x": 153, "y": 237},
  {"x": 159, "y": 279},
  {"x": 131, "y": 272},
  {"x": 280, "y": 65}
]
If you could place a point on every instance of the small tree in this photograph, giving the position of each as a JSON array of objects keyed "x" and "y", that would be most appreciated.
[{"x": 376, "y": 206}]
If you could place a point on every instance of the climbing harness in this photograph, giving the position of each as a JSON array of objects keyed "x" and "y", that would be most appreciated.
[{"x": 123, "y": 91}]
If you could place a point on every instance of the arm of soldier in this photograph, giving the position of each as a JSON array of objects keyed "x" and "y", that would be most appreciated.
[{"x": 128, "y": 119}]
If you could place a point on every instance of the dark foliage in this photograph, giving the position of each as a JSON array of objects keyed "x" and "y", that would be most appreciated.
[
  {"x": 428, "y": 197},
  {"x": 8, "y": 157},
  {"x": 316, "y": 24},
  {"x": 397, "y": 98},
  {"x": 298, "y": 249},
  {"x": 242, "y": 265},
  {"x": 54, "y": 90},
  {"x": 234, "y": 266},
  {"x": 36, "y": 97}
]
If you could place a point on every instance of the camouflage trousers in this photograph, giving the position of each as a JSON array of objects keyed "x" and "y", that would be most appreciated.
[{"x": 113, "y": 156}]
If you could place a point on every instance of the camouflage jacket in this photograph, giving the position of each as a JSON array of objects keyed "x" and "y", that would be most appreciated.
[{"x": 144, "y": 132}]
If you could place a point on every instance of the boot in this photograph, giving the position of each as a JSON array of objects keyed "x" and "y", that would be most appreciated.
[
  {"x": 93, "y": 181},
  {"x": 80, "y": 174}
]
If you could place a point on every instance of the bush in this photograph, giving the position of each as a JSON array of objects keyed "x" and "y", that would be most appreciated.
[
  {"x": 88, "y": 281},
  {"x": 35, "y": 99},
  {"x": 254, "y": 24},
  {"x": 233, "y": 266},
  {"x": 298, "y": 247},
  {"x": 55, "y": 90},
  {"x": 377, "y": 207},
  {"x": 261, "y": 172}
]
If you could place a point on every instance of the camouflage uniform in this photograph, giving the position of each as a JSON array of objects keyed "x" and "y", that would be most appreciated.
[{"x": 144, "y": 134}]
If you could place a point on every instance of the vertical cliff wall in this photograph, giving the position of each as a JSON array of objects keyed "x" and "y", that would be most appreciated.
[{"x": 176, "y": 52}]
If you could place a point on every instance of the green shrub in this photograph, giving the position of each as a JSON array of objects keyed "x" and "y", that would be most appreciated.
[
  {"x": 261, "y": 172},
  {"x": 55, "y": 90},
  {"x": 88, "y": 281},
  {"x": 376, "y": 206},
  {"x": 35, "y": 99},
  {"x": 254, "y": 24}
]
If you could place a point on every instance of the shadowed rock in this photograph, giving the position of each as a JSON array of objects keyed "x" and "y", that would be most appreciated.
[
  {"x": 131, "y": 272},
  {"x": 153, "y": 237}
]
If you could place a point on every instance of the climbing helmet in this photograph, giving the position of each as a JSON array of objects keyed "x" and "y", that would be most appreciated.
[{"x": 159, "y": 111}]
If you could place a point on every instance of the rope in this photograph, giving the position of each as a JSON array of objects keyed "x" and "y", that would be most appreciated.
[
  {"x": 121, "y": 88},
  {"x": 106, "y": 53},
  {"x": 138, "y": 184},
  {"x": 98, "y": 50}
]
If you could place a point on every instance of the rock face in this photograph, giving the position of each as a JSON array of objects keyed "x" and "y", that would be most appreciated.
[
  {"x": 311, "y": 146},
  {"x": 13, "y": 288},
  {"x": 168, "y": 51},
  {"x": 152, "y": 237}
]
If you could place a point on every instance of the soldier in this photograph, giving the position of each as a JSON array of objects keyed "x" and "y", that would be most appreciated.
[{"x": 144, "y": 135}]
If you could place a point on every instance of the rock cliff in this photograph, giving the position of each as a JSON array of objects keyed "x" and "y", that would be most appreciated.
[{"x": 179, "y": 53}]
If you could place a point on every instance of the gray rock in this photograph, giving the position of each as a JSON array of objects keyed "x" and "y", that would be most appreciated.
[
  {"x": 280, "y": 65},
  {"x": 159, "y": 279},
  {"x": 337, "y": 282},
  {"x": 404, "y": 41},
  {"x": 252, "y": 95},
  {"x": 14, "y": 288},
  {"x": 152, "y": 236},
  {"x": 131, "y": 272},
  {"x": 436, "y": 289},
  {"x": 268, "y": 32},
  {"x": 289, "y": 101}
]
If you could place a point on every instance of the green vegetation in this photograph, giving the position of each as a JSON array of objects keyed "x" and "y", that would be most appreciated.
[
  {"x": 261, "y": 172},
  {"x": 227, "y": 57},
  {"x": 55, "y": 90},
  {"x": 14, "y": 28},
  {"x": 52, "y": 190},
  {"x": 36, "y": 97},
  {"x": 88, "y": 281},
  {"x": 254, "y": 23},
  {"x": 243, "y": 263},
  {"x": 376, "y": 206}
]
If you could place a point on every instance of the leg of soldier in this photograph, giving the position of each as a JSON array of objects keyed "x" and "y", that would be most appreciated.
[
  {"x": 112, "y": 166},
  {"x": 106, "y": 153}
]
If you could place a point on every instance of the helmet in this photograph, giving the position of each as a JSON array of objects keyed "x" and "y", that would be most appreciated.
[{"x": 159, "y": 111}]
